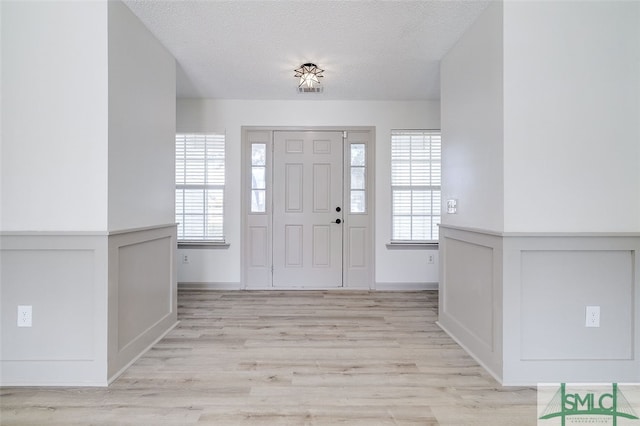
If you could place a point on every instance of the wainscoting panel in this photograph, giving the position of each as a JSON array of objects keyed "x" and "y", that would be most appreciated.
[
  {"x": 542, "y": 284},
  {"x": 549, "y": 279},
  {"x": 144, "y": 269},
  {"x": 63, "y": 277},
  {"x": 99, "y": 301},
  {"x": 470, "y": 302},
  {"x": 67, "y": 272},
  {"x": 470, "y": 291},
  {"x": 556, "y": 288},
  {"x": 142, "y": 292}
]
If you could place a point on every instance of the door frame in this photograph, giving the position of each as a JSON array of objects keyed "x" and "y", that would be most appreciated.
[{"x": 358, "y": 228}]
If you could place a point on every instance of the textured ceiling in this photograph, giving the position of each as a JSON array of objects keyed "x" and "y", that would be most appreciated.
[{"x": 369, "y": 49}]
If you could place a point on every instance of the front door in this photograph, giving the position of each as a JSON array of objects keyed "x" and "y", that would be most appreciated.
[{"x": 307, "y": 209}]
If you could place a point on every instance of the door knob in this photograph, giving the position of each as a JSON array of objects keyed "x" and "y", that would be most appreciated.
[{"x": 337, "y": 221}]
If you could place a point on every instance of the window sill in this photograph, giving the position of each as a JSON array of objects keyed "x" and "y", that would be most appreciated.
[
  {"x": 408, "y": 245},
  {"x": 203, "y": 245}
]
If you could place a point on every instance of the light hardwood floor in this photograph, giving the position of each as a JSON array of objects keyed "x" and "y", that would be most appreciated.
[{"x": 291, "y": 358}]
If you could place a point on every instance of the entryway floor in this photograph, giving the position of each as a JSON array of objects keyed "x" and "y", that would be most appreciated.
[{"x": 291, "y": 358}]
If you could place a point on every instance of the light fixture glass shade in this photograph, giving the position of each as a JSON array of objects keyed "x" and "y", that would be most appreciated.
[{"x": 309, "y": 75}]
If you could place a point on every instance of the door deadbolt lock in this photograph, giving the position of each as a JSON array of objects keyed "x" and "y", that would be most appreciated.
[{"x": 338, "y": 209}]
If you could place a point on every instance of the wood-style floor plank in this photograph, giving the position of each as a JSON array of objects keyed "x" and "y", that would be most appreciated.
[{"x": 291, "y": 358}]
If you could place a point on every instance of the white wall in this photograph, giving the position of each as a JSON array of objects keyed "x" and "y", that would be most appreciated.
[
  {"x": 95, "y": 305},
  {"x": 54, "y": 116},
  {"x": 142, "y": 277},
  {"x": 470, "y": 307},
  {"x": 54, "y": 179},
  {"x": 142, "y": 87},
  {"x": 571, "y": 116},
  {"x": 568, "y": 84},
  {"x": 472, "y": 126},
  {"x": 1, "y": 117},
  {"x": 223, "y": 265}
]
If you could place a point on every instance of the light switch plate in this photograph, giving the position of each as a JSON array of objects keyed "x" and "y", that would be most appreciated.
[{"x": 452, "y": 206}]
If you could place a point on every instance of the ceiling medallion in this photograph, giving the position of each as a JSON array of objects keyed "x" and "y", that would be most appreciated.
[{"x": 309, "y": 75}]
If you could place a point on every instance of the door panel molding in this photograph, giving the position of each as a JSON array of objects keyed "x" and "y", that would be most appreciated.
[
  {"x": 307, "y": 184},
  {"x": 357, "y": 228}
]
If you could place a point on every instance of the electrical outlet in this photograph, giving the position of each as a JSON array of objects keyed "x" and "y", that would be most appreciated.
[
  {"x": 430, "y": 259},
  {"x": 25, "y": 315},
  {"x": 185, "y": 258},
  {"x": 592, "y": 314}
]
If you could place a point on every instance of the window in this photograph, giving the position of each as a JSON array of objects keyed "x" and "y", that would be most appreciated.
[
  {"x": 258, "y": 177},
  {"x": 415, "y": 185},
  {"x": 200, "y": 170},
  {"x": 358, "y": 179}
]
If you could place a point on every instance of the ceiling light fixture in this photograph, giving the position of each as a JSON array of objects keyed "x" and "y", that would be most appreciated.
[{"x": 309, "y": 75}]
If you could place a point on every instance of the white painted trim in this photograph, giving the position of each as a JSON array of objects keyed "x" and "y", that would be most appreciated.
[
  {"x": 82, "y": 233},
  {"x": 31, "y": 367},
  {"x": 121, "y": 352},
  {"x": 144, "y": 228},
  {"x": 245, "y": 191},
  {"x": 541, "y": 234},
  {"x": 514, "y": 291},
  {"x": 130, "y": 363},
  {"x": 210, "y": 286},
  {"x": 203, "y": 245},
  {"x": 237, "y": 286},
  {"x": 53, "y": 233},
  {"x": 412, "y": 246},
  {"x": 472, "y": 355},
  {"x": 406, "y": 286}
]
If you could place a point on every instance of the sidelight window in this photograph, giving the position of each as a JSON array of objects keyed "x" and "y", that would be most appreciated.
[
  {"x": 358, "y": 178},
  {"x": 258, "y": 177}
]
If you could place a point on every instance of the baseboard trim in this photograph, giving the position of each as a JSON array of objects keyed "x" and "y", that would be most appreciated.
[
  {"x": 130, "y": 363},
  {"x": 378, "y": 287},
  {"x": 209, "y": 286},
  {"x": 406, "y": 286},
  {"x": 472, "y": 355}
]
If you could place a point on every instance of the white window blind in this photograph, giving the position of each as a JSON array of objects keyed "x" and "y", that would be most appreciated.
[
  {"x": 200, "y": 179},
  {"x": 415, "y": 185}
]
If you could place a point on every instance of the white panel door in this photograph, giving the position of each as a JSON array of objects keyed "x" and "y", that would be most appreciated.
[{"x": 307, "y": 209}]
